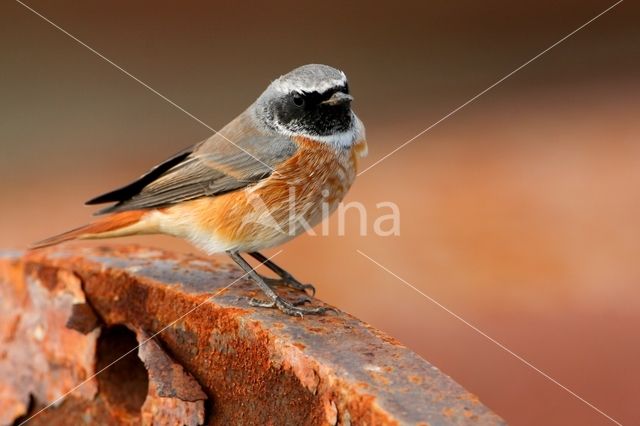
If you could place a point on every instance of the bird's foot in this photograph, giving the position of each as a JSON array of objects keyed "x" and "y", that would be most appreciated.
[{"x": 291, "y": 308}]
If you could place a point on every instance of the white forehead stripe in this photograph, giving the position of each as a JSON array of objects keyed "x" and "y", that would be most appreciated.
[{"x": 287, "y": 86}]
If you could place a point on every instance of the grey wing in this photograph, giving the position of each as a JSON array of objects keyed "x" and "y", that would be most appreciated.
[{"x": 242, "y": 157}]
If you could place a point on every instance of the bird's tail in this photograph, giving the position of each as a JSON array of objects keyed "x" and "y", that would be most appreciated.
[{"x": 116, "y": 225}]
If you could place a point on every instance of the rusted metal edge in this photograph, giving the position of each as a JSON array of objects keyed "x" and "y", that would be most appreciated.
[{"x": 258, "y": 366}]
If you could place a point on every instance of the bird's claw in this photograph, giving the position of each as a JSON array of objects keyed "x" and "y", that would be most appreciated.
[{"x": 291, "y": 308}]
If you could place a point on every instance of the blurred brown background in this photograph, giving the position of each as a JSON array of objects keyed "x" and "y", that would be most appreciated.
[{"x": 520, "y": 213}]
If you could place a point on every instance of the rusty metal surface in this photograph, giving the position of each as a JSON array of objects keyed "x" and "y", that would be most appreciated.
[
  {"x": 35, "y": 360},
  {"x": 258, "y": 366},
  {"x": 173, "y": 395}
]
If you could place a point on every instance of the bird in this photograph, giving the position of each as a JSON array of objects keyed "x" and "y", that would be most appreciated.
[{"x": 293, "y": 153}]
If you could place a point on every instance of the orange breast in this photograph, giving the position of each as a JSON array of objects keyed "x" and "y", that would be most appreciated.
[{"x": 302, "y": 189}]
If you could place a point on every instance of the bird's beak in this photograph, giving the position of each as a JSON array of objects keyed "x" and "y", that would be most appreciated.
[{"x": 338, "y": 98}]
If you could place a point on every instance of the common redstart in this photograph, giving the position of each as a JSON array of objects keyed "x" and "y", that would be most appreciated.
[{"x": 233, "y": 192}]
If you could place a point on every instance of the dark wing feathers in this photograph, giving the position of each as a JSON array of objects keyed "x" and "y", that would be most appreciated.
[
  {"x": 135, "y": 187},
  {"x": 212, "y": 167}
]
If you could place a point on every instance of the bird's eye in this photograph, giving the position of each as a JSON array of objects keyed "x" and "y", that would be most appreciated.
[{"x": 298, "y": 101}]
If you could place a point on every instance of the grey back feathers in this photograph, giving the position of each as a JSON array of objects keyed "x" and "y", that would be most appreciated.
[
  {"x": 250, "y": 147},
  {"x": 213, "y": 167}
]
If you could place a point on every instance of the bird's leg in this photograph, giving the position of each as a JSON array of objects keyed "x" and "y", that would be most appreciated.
[
  {"x": 285, "y": 277},
  {"x": 276, "y": 301}
]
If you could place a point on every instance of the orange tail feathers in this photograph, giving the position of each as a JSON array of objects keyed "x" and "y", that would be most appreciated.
[{"x": 109, "y": 226}]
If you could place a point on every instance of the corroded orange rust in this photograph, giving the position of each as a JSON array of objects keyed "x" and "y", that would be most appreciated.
[
  {"x": 36, "y": 360},
  {"x": 174, "y": 397},
  {"x": 415, "y": 379},
  {"x": 255, "y": 365}
]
